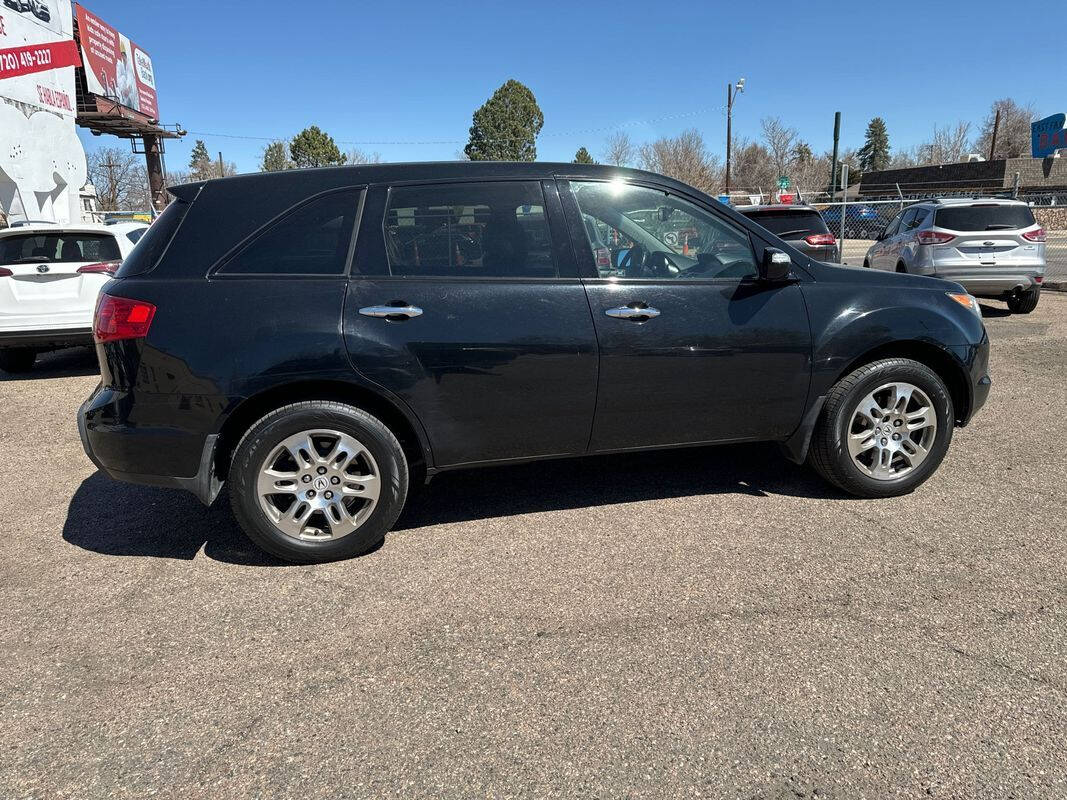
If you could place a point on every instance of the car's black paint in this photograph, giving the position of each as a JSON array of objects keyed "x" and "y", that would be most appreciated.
[{"x": 494, "y": 370}]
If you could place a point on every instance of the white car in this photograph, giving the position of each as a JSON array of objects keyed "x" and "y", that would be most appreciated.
[{"x": 50, "y": 276}]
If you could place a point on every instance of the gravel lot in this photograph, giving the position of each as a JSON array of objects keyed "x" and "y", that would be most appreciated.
[{"x": 714, "y": 622}]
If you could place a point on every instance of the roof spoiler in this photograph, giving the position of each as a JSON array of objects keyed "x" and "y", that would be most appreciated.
[{"x": 186, "y": 191}]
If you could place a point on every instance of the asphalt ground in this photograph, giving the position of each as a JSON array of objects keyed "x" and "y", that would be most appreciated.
[{"x": 714, "y": 622}]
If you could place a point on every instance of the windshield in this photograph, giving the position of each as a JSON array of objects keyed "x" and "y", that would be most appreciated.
[
  {"x": 984, "y": 218},
  {"x": 58, "y": 248}
]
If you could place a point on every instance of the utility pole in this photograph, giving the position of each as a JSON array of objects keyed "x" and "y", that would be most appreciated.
[
  {"x": 833, "y": 161},
  {"x": 730, "y": 96},
  {"x": 993, "y": 142},
  {"x": 222, "y": 171},
  {"x": 153, "y": 156}
]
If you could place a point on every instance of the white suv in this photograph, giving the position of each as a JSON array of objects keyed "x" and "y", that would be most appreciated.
[
  {"x": 50, "y": 276},
  {"x": 994, "y": 248}
]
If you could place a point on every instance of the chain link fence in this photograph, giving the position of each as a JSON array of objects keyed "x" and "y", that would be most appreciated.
[{"x": 857, "y": 219}]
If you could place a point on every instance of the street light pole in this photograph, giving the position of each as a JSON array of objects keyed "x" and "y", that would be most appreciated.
[{"x": 731, "y": 95}]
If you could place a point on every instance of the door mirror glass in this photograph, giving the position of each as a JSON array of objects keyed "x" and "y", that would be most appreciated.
[
  {"x": 776, "y": 265},
  {"x": 881, "y": 235}
]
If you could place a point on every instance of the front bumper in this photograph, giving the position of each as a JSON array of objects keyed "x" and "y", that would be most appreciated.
[{"x": 142, "y": 453}]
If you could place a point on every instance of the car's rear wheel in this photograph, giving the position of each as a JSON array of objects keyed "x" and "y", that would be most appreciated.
[
  {"x": 866, "y": 264},
  {"x": 902, "y": 267},
  {"x": 883, "y": 429},
  {"x": 318, "y": 481},
  {"x": 17, "y": 359},
  {"x": 1024, "y": 302}
]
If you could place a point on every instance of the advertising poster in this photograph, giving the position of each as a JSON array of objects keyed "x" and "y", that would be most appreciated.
[{"x": 115, "y": 67}]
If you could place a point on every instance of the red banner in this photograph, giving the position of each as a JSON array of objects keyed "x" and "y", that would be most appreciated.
[
  {"x": 115, "y": 67},
  {"x": 23, "y": 60}
]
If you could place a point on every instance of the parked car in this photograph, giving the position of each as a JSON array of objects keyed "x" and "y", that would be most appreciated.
[
  {"x": 50, "y": 276},
  {"x": 861, "y": 221},
  {"x": 329, "y": 346},
  {"x": 41, "y": 11},
  {"x": 994, "y": 248},
  {"x": 800, "y": 225}
]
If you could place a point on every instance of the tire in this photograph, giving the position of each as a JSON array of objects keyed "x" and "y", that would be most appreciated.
[
  {"x": 380, "y": 453},
  {"x": 866, "y": 264},
  {"x": 17, "y": 359},
  {"x": 830, "y": 455},
  {"x": 1024, "y": 302},
  {"x": 902, "y": 267}
]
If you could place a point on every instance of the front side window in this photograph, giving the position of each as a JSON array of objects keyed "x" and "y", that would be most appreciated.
[
  {"x": 312, "y": 239},
  {"x": 473, "y": 230},
  {"x": 636, "y": 232}
]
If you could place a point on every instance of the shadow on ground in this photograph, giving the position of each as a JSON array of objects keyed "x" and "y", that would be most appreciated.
[
  {"x": 114, "y": 518},
  {"x": 68, "y": 363}
]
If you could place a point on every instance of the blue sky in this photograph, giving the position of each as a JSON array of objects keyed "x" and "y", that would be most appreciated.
[{"x": 385, "y": 73}]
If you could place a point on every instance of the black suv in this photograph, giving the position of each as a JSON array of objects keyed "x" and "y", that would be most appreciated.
[{"x": 320, "y": 339}]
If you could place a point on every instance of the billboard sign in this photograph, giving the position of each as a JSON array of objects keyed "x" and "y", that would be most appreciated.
[
  {"x": 115, "y": 67},
  {"x": 1047, "y": 136},
  {"x": 38, "y": 56}
]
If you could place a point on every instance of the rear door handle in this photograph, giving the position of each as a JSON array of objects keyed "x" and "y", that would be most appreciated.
[
  {"x": 396, "y": 313},
  {"x": 637, "y": 312}
]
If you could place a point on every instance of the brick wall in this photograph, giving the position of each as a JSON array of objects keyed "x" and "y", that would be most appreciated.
[{"x": 1051, "y": 219}]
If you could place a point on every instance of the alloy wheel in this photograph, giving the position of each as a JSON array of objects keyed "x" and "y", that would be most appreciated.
[
  {"x": 892, "y": 431},
  {"x": 318, "y": 485}
]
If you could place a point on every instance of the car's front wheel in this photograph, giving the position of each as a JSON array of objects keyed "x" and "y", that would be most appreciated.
[
  {"x": 883, "y": 429},
  {"x": 1025, "y": 302},
  {"x": 17, "y": 359},
  {"x": 318, "y": 481}
]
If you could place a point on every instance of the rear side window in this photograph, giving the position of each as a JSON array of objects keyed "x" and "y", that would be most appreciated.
[
  {"x": 312, "y": 239},
  {"x": 154, "y": 240},
  {"x": 475, "y": 230},
  {"x": 984, "y": 218},
  {"x": 58, "y": 248},
  {"x": 789, "y": 224},
  {"x": 135, "y": 236}
]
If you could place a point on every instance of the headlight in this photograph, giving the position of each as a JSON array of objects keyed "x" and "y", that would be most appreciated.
[{"x": 967, "y": 300}]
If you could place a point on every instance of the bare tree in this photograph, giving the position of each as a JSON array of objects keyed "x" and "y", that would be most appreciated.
[
  {"x": 619, "y": 150},
  {"x": 1013, "y": 135},
  {"x": 751, "y": 168},
  {"x": 810, "y": 173},
  {"x": 120, "y": 179},
  {"x": 948, "y": 145},
  {"x": 780, "y": 141},
  {"x": 685, "y": 158},
  {"x": 357, "y": 156}
]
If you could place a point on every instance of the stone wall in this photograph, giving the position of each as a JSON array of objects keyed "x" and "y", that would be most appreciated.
[{"x": 1052, "y": 218}]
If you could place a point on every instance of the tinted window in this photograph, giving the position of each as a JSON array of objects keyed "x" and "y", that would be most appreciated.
[
  {"x": 312, "y": 239},
  {"x": 645, "y": 233},
  {"x": 54, "y": 248},
  {"x": 789, "y": 224},
  {"x": 891, "y": 228},
  {"x": 135, "y": 235},
  {"x": 469, "y": 230},
  {"x": 154, "y": 240},
  {"x": 984, "y": 218},
  {"x": 913, "y": 219}
]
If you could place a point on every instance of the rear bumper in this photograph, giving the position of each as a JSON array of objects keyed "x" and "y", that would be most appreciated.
[
  {"x": 46, "y": 339},
  {"x": 989, "y": 283},
  {"x": 144, "y": 454}
]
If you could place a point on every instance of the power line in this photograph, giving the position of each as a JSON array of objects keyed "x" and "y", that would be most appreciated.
[{"x": 575, "y": 132}]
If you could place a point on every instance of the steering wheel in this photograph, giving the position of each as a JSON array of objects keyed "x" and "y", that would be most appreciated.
[
  {"x": 633, "y": 263},
  {"x": 660, "y": 265}
]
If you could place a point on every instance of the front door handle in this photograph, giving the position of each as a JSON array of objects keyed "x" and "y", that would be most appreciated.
[
  {"x": 638, "y": 312},
  {"x": 395, "y": 313}
]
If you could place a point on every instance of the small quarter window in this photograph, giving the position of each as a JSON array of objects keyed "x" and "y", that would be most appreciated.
[{"x": 312, "y": 239}]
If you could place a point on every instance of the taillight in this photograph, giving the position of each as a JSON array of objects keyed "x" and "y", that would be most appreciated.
[
  {"x": 1039, "y": 279},
  {"x": 933, "y": 237},
  {"x": 821, "y": 239},
  {"x": 1035, "y": 236},
  {"x": 105, "y": 267},
  {"x": 121, "y": 318},
  {"x": 5, "y": 272},
  {"x": 603, "y": 257}
]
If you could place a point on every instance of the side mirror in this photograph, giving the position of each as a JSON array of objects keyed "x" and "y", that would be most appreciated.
[
  {"x": 776, "y": 265},
  {"x": 880, "y": 236}
]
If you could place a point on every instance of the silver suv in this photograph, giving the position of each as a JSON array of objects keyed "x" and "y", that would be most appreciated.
[{"x": 993, "y": 247}]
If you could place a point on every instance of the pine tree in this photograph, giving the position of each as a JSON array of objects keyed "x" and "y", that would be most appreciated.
[
  {"x": 314, "y": 148},
  {"x": 275, "y": 157},
  {"x": 201, "y": 167},
  {"x": 505, "y": 128},
  {"x": 874, "y": 155},
  {"x": 583, "y": 157}
]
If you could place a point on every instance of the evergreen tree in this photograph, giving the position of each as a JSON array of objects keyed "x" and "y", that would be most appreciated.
[
  {"x": 314, "y": 148},
  {"x": 583, "y": 157},
  {"x": 505, "y": 128},
  {"x": 275, "y": 157},
  {"x": 874, "y": 155},
  {"x": 201, "y": 167}
]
